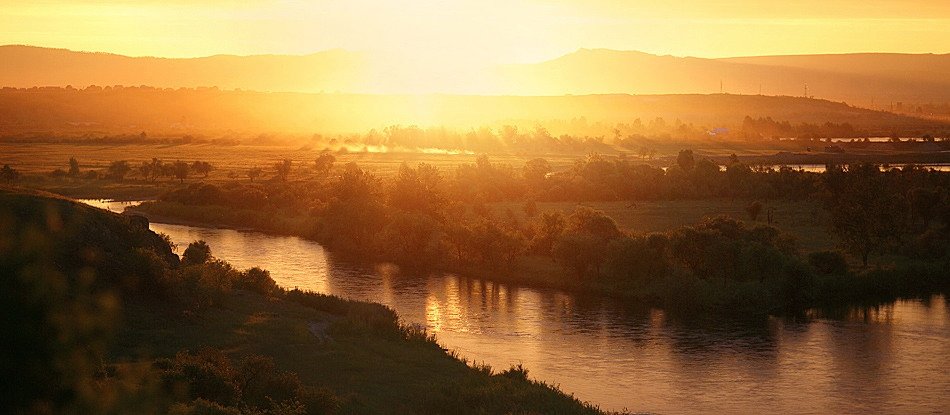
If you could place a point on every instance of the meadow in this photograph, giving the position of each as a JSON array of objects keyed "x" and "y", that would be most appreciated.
[{"x": 805, "y": 220}]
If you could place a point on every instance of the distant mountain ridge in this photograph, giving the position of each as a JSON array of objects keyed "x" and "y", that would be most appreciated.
[
  {"x": 869, "y": 80},
  {"x": 873, "y": 80},
  {"x": 333, "y": 70}
]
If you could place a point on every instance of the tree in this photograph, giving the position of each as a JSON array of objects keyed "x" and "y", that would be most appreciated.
[
  {"x": 282, "y": 169},
  {"x": 355, "y": 214},
  {"x": 324, "y": 163},
  {"x": 585, "y": 240},
  {"x": 157, "y": 168},
  {"x": 254, "y": 173},
  {"x": 259, "y": 281},
  {"x": 198, "y": 252},
  {"x": 535, "y": 171},
  {"x": 118, "y": 169},
  {"x": 828, "y": 262},
  {"x": 146, "y": 169},
  {"x": 410, "y": 238},
  {"x": 685, "y": 160},
  {"x": 181, "y": 170},
  {"x": 202, "y": 167},
  {"x": 737, "y": 175},
  {"x": 8, "y": 174},
  {"x": 579, "y": 252},
  {"x": 168, "y": 169},
  {"x": 547, "y": 229},
  {"x": 417, "y": 190},
  {"x": 595, "y": 223},
  {"x": 73, "y": 167},
  {"x": 867, "y": 211}
]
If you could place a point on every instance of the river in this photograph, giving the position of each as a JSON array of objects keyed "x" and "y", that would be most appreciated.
[{"x": 888, "y": 359}]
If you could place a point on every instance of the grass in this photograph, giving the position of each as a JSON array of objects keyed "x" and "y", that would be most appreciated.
[
  {"x": 42, "y": 158},
  {"x": 372, "y": 374},
  {"x": 805, "y": 220}
]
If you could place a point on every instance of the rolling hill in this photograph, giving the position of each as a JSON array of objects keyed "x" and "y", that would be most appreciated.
[
  {"x": 869, "y": 80},
  {"x": 53, "y": 111}
]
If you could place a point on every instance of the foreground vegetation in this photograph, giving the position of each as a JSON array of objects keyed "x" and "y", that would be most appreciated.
[{"x": 104, "y": 318}]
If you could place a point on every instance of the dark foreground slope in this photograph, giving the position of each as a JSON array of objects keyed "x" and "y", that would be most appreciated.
[{"x": 102, "y": 318}]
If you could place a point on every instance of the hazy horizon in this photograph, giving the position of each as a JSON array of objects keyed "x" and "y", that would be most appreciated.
[{"x": 542, "y": 60}]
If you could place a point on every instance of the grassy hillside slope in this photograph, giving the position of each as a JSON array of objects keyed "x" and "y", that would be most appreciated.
[{"x": 102, "y": 318}]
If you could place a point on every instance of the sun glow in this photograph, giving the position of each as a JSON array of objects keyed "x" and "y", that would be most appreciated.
[{"x": 466, "y": 46}]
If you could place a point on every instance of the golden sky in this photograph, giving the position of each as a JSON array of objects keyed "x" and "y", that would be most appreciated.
[{"x": 470, "y": 31}]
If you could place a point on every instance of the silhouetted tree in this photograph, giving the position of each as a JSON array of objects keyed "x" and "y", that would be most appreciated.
[
  {"x": 324, "y": 163},
  {"x": 535, "y": 171},
  {"x": 198, "y": 252},
  {"x": 254, "y": 173},
  {"x": 158, "y": 168},
  {"x": 146, "y": 170},
  {"x": 282, "y": 169},
  {"x": 181, "y": 170},
  {"x": 258, "y": 280},
  {"x": 579, "y": 252},
  {"x": 828, "y": 262},
  {"x": 202, "y": 167},
  {"x": 867, "y": 211},
  {"x": 685, "y": 160},
  {"x": 73, "y": 167},
  {"x": 547, "y": 229},
  {"x": 8, "y": 174},
  {"x": 118, "y": 169},
  {"x": 417, "y": 190}
]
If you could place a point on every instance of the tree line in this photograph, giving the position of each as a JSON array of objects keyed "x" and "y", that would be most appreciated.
[{"x": 422, "y": 217}]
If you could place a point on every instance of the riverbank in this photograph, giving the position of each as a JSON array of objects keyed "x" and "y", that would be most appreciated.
[
  {"x": 139, "y": 314},
  {"x": 903, "y": 278},
  {"x": 538, "y": 272}
]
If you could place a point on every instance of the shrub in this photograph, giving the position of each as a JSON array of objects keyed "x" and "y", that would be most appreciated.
[
  {"x": 828, "y": 262},
  {"x": 211, "y": 384},
  {"x": 207, "y": 374},
  {"x": 259, "y": 281},
  {"x": 198, "y": 252}
]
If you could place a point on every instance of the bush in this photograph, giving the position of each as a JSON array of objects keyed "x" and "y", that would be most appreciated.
[
  {"x": 828, "y": 262},
  {"x": 211, "y": 384},
  {"x": 198, "y": 252},
  {"x": 259, "y": 281},
  {"x": 206, "y": 374}
]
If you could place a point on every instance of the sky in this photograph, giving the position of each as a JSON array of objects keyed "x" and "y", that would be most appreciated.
[{"x": 470, "y": 31}]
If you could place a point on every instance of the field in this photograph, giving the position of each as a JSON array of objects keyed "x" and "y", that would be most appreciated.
[
  {"x": 43, "y": 158},
  {"x": 805, "y": 220}
]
